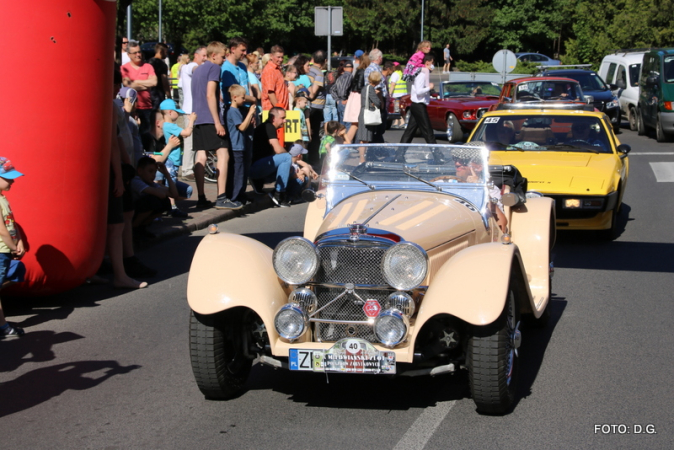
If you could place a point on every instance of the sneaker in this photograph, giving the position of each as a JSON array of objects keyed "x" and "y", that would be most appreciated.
[
  {"x": 279, "y": 198},
  {"x": 258, "y": 186},
  {"x": 10, "y": 332},
  {"x": 175, "y": 212},
  {"x": 203, "y": 203},
  {"x": 136, "y": 269},
  {"x": 225, "y": 203}
]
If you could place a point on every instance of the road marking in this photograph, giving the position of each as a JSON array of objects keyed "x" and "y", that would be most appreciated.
[
  {"x": 650, "y": 153},
  {"x": 423, "y": 428},
  {"x": 664, "y": 171}
]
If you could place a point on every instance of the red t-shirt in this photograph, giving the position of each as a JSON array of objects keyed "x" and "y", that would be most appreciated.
[{"x": 141, "y": 73}]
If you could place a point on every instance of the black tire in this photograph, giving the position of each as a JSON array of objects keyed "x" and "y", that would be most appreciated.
[
  {"x": 219, "y": 366},
  {"x": 454, "y": 131},
  {"x": 641, "y": 126},
  {"x": 632, "y": 118},
  {"x": 611, "y": 234},
  {"x": 660, "y": 134},
  {"x": 616, "y": 128},
  {"x": 210, "y": 170},
  {"x": 492, "y": 364}
]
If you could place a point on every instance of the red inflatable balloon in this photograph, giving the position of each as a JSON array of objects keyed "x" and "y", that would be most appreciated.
[{"x": 57, "y": 122}]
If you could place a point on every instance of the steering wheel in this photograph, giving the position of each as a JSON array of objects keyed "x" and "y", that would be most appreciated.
[
  {"x": 577, "y": 141},
  {"x": 445, "y": 178}
]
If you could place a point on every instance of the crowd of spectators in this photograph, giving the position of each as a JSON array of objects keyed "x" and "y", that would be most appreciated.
[{"x": 231, "y": 103}]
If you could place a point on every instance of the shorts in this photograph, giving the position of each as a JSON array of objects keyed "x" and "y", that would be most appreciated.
[
  {"x": 206, "y": 138},
  {"x": 151, "y": 203},
  {"x": 11, "y": 269},
  {"x": 115, "y": 204}
]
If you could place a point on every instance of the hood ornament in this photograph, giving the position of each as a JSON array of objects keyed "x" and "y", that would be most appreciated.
[{"x": 356, "y": 230}]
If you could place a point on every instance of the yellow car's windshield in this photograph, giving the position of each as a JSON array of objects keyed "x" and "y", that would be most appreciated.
[{"x": 543, "y": 133}]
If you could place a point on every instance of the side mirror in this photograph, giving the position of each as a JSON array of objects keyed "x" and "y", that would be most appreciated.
[
  {"x": 308, "y": 195},
  {"x": 624, "y": 149},
  {"x": 589, "y": 99}
]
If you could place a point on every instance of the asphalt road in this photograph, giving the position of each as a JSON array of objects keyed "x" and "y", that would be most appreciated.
[{"x": 109, "y": 369}]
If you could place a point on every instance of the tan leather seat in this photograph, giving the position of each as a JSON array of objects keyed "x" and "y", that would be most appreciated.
[{"x": 538, "y": 135}]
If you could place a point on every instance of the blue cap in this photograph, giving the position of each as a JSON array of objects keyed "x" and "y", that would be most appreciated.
[
  {"x": 170, "y": 105},
  {"x": 7, "y": 169},
  {"x": 358, "y": 53}
]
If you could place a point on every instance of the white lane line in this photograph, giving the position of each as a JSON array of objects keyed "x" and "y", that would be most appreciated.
[
  {"x": 664, "y": 171},
  {"x": 650, "y": 153},
  {"x": 423, "y": 428}
]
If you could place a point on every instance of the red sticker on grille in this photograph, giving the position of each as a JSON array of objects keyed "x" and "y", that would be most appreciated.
[{"x": 371, "y": 308}]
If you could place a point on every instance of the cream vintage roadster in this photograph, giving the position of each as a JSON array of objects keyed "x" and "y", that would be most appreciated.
[{"x": 402, "y": 270}]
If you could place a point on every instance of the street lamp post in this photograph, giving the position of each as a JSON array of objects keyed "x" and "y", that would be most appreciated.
[{"x": 159, "y": 40}]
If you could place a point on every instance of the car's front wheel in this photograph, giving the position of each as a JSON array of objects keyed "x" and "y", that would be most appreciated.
[
  {"x": 632, "y": 118},
  {"x": 219, "y": 365},
  {"x": 492, "y": 361},
  {"x": 454, "y": 132}
]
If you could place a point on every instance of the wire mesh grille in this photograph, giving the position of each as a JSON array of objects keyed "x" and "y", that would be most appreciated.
[{"x": 357, "y": 265}]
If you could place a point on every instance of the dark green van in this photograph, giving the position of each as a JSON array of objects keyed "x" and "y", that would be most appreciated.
[{"x": 656, "y": 96}]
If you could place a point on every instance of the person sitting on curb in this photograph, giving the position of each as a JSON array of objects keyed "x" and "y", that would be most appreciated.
[
  {"x": 151, "y": 200},
  {"x": 270, "y": 158}
]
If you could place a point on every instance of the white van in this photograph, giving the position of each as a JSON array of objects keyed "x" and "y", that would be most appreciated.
[{"x": 621, "y": 69}]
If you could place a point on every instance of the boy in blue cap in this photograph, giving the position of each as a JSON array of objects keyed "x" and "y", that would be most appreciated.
[
  {"x": 170, "y": 113},
  {"x": 11, "y": 244}
]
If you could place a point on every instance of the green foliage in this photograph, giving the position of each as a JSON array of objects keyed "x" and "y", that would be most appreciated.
[
  {"x": 582, "y": 31},
  {"x": 524, "y": 68}
]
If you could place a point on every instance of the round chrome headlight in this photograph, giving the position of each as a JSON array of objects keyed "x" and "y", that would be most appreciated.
[
  {"x": 402, "y": 302},
  {"x": 295, "y": 260},
  {"x": 291, "y": 322},
  {"x": 533, "y": 194},
  {"x": 390, "y": 327},
  {"x": 305, "y": 298},
  {"x": 404, "y": 266}
]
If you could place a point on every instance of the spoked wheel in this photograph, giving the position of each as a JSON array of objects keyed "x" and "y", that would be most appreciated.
[
  {"x": 219, "y": 365},
  {"x": 632, "y": 118},
  {"x": 211, "y": 168},
  {"x": 454, "y": 132},
  {"x": 493, "y": 363}
]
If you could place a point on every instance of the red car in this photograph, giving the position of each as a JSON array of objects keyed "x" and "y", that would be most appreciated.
[
  {"x": 458, "y": 106},
  {"x": 541, "y": 89}
]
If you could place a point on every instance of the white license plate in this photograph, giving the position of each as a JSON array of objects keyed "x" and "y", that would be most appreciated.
[{"x": 345, "y": 356}]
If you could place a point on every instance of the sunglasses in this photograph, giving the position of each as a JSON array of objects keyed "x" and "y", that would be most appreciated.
[
  {"x": 460, "y": 164},
  {"x": 134, "y": 53}
]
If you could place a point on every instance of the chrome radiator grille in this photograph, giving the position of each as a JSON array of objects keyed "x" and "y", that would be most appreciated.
[
  {"x": 346, "y": 308},
  {"x": 343, "y": 262},
  {"x": 350, "y": 264}
]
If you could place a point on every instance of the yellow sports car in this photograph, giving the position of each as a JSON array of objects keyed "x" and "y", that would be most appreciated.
[{"x": 568, "y": 153}]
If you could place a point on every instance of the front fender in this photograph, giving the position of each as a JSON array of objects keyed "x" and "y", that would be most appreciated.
[
  {"x": 532, "y": 226},
  {"x": 230, "y": 270},
  {"x": 472, "y": 285}
]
